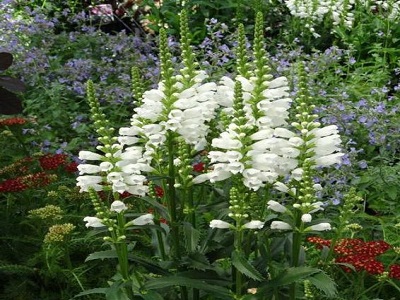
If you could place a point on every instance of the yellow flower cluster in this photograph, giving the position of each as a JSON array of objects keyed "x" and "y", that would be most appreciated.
[
  {"x": 47, "y": 212},
  {"x": 57, "y": 233}
]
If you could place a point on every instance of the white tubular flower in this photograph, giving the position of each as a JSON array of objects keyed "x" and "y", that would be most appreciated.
[
  {"x": 279, "y": 225},
  {"x": 201, "y": 178},
  {"x": 297, "y": 174},
  {"x": 146, "y": 219},
  {"x": 219, "y": 224},
  {"x": 281, "y": 187},
  {"x": 139, "y": 190},
  {"x": 87, "y": 182},
  {"x": 118, "y": 206},
  {"x": 226, "y": 141},
  {"x": 106, "y": 166},
  {"x": 254, "y": 225},
  {"x": 93, "y": 222},
  {"x": 276, "y": 206},
  {"x": 325, "y": 131},
  {"x": 89, "y": 155},
  {"x": 317, "y": 206},
  {"x": 329, "y": 160},
  {"x": 278, "y": 82},
  {"x": 114, "y": 177},
  {"x": 306, "y": 218},
  {"x": 88, "y": 169},
  {"x": 319, "y": 227}
]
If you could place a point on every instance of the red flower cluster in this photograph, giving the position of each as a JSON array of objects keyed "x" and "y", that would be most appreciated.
[
  {"x": 159, "y": 191},
  {"x": 52, "y": 161},
  {"x": 394, "y": 272},
  {"x": 199, "y": 167},
  {"x": 13, "y": 121},
  {"x": 361, "y": 255},
  {"x": 22, "y": 183}
]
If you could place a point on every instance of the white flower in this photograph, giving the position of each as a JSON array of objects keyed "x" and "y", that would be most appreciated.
[
  {"x": 297, "y": 174},
  {"x": 219, "y": 224},
  {"x": 328, "y": 160},
  {"x": 316, "y": 207},
  {"x": 319, "y": 227},
  {"x": 278, "y": 82},
  {"x": 254, "y": 225},
  {"x": 88, "y": 169},
  {"x": 118, "y": 206},
  {"x": 279, "y": 225},
  {"x": 88, "y": 155},
  {"x": 275, "y": 206},
  {"x": 317, "y": 187},
  {"x": 283, "y": 132},
  {"x": 114, "y": 177},
  {"x": 106, "y": 166},
  {"x": 93, "y": 222},
  {"x": 146, "y": 219},
  {"x": 87, "y": 182},
  {"x": 306, "y": 218},
  {"x": 281, "y": 187},
  {"x": 226, "y": 141},
  {"x": 201, "y": 178},
  {"x": 325, "y": 131}
]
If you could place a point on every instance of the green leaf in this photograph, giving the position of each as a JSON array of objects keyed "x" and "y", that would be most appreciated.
[
  {"x": 197, "y": 261},
  {"x": 151, "y": 295},
  {"x": 292, "y": 275},
  {"x": 217, "y": 291},
  {"x": 244, "y": 267},
  {"x": 192, "y": 237},
  {"x": 391, "y": 191},
  {"x": 92, "y": 291},
  {"x": 324, "y": 283},
  {"x": 116, "y": 292},
  {"x": 102, "y": 255}
]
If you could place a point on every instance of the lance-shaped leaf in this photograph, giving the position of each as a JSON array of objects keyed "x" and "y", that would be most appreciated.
[{"x": 244, "y": 267}]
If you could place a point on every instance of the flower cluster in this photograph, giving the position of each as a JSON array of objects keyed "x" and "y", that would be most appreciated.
[
  {"x": 50, "y": 211},
  {"x": 339, "y": 12},
  {"x": 31, "y": 181},
  {"x": 117, "y": 207},
  {"x": 359, "y": 254},
  {"x": 52, "y": 161},
  {"x": 58, "y": 233},
  {"x": 13, "y": 121}
]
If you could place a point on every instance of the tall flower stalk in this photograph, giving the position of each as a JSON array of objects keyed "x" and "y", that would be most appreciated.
[{"x": 253, "y": 150}]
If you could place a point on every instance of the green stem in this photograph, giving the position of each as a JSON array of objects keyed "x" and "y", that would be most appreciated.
[
  {"x": 171, "y": 199},
  {"x": 238, "y": 275},
  {"x": 122, "y": 248},
  {"x": 161, "y": 246},
  {"x": 296, "y": 246},
  {"x": 192, "y": 215}
]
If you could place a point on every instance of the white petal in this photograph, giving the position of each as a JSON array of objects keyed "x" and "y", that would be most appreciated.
[
  {"x": 254, "y": 225},
  {"x": 279, "y": 225},
  {"x": 118, "y": 206},
  {"x": 219, "y": 224}
]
